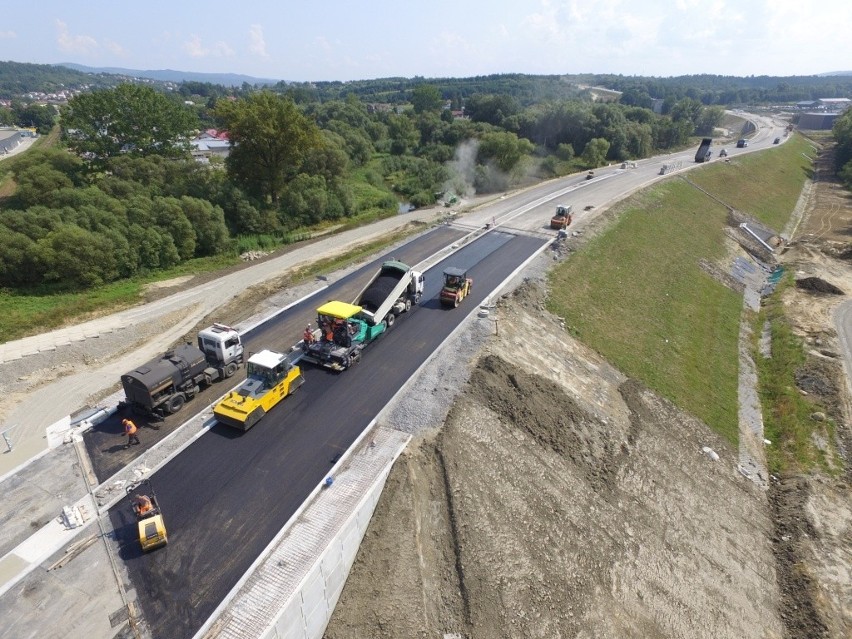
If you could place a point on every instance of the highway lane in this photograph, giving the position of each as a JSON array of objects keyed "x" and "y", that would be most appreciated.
[
  {"x": 189, "y": 585},
  {"x": 105, "y": 443},
  {"x": 227, "y": 495}
]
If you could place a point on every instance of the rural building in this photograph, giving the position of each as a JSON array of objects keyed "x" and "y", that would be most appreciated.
[{"x": 210, "y": 143}]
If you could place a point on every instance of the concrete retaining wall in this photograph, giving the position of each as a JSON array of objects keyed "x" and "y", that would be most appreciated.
[{"x": 309, "y": 611}]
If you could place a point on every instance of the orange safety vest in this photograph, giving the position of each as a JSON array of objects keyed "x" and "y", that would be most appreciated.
[
  {"x": 143, "y": 504},
  {"x": 129, "y": 427}
]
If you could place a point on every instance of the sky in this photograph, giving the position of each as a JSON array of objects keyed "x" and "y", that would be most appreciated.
[{"x": 345, "y": 40}]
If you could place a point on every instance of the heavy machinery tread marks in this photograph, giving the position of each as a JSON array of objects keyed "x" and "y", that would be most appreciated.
[
  {"x": 176, "y": 402},
  {"x": 378, "y": 292}
]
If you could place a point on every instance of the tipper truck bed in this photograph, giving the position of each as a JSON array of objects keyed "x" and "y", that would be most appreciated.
[{"x": 703, "y": 153}]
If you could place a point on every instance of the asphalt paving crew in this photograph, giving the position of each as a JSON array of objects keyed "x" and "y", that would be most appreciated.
[{"x": 130, "y": 430}]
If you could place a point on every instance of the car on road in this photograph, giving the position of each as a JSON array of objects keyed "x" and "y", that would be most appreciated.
[
  {"x": 742, "y": 143},
  {"x": 723, "y": 153},
  {"x": 776, "y": 141}
]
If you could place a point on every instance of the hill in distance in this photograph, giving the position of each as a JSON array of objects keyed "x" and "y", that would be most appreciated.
[{"x": 169, "y": 75}]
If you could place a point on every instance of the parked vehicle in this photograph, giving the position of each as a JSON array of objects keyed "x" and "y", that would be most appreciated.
[
  {"x": 723, "y": 153},
  {"x": 163, "y": 385},
  {"x": 742, "y": 143}
]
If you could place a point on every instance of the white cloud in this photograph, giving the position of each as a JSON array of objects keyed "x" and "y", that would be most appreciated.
[
  {"x": 68, "y": 43},
  {"x": 257, "y": 43},
  {"x": 7, "y": 35},
  {"x": 195, "y": 48},
  {"x": 115, "y": 48}
]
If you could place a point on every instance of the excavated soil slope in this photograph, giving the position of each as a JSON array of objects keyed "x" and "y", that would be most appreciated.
[{"x": 560, "y": 499}]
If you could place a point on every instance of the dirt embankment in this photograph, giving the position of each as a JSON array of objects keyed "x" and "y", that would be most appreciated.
[
  {"x": 560, "y": 499},
  {"x": 812, "y": 512}
]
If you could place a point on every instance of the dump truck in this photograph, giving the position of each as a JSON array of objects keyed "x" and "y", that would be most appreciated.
[
  {"x": 562, "y": 218},
  {"x": 342, "y": 334},
  {"x": 393, "y": 290},
  {"x": 163, "y": 385},
  {"x": 270, "y": 377},
  {"x": 150, "y": 526},
  {"x": 703, "y": 154},
  {"x": 457, "y": 286},
  {"x": 344, "y": 329}
]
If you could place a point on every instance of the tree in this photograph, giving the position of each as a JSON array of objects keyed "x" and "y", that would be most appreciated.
[
  {"x": 128, "y": 119},
  {"x": 709, "y": 119},
  {"x": 78, "y": 258},
  {"x": 504, "y": 149},
  {"x": 490, "y": 108},
  {"x": 38, "y": 116},
  {"x": 426, "y": 97},
  {"x": 403, "y": 134},
  {"x": 687, "y": 110},
  {"x": 595, "y": 152},
  {"x": 270, "y": 139}
]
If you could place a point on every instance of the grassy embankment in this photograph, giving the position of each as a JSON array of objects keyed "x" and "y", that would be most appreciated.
[
  {"x": 637, "y": 295},
  {"x": 786, "y": 412}
]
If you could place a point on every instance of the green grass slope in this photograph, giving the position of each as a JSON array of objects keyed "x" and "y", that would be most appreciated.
[{"x": 636, "y": 294}]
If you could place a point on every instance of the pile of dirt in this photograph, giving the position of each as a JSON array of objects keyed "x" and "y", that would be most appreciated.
[
  {"x": 818, "y": 285},
  {"x": 561, "y": 499}
]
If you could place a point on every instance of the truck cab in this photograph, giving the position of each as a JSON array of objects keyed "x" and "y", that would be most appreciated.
[{"x": 220, "y": 344}]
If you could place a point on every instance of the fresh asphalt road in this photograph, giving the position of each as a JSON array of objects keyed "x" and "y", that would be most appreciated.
[
  {"x": 105, "y": 443},
  {"x": 226, "y": 496}
]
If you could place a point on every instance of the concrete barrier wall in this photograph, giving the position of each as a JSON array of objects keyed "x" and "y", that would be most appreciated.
[{"x": 308, "y": 612}]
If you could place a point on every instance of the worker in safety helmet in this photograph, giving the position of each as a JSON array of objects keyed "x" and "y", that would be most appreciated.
[
  {"x": 130, "y": 430},
  {"x": 142, "y": 504},
  {"x": 308, "y": 335}
]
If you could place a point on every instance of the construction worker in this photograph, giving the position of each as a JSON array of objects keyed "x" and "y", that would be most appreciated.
[
  {"x": 308, "y": 335},
  {"x": 130, "y": 430},
  {"x": 142, "y": 504}
]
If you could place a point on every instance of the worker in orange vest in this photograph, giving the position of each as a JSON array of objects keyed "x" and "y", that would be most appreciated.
[
  {"x": 130, "y": 430},
  {"x": 142, "y": 504}
]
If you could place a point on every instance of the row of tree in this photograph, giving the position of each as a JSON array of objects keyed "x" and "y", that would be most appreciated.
[{"x": 130, "y": 192}]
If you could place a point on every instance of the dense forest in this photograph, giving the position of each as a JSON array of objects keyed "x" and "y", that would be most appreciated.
[
  {"x": 20, "y": 78},
  {"x": 121, "y": 195}
]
